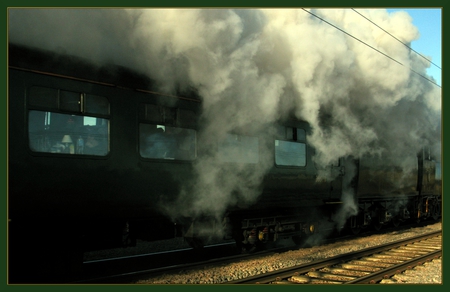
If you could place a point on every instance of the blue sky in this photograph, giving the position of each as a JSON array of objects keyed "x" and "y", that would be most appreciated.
[{"x": 429, "y": 23}]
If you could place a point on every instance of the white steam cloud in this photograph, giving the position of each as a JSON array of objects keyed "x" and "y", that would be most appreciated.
[{"x": 254, "y": 66}]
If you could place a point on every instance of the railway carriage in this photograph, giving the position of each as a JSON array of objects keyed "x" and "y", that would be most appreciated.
[{"x": 94, "y": 152}]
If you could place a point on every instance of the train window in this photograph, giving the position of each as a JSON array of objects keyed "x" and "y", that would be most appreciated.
[
  {"x": 290, "y": 153},
  {"x": 70, "y": 101},
  {"x": 301, "y": 135},
  {"x": 167, "y": 116},
  {"x": 67, "y": 101},
  {"x": 291, "y": 149},
  {"x": 53, "y": 132},
  {"x": 43, "y": 97},
  {"x": 166, "y": 142},
  {"x": 239, "y": 149},
  {"x": 294, "y": 134},
  {"x": 437, "y": 171},
  {"x": 95, "y": 104},
  {"x": 61, "y": 121},
  {"x": 152, "y": 113},
  {"x": 289, "y": 133}
]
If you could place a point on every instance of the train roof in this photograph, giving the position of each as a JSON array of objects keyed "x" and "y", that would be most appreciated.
[{"x": 48, "y": 62}]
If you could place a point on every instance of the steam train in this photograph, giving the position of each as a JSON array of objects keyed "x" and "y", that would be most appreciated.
[{"x": 94, "y": 152}]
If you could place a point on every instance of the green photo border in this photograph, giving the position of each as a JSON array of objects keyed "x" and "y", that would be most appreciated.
[{"x": 202, "y": 3}]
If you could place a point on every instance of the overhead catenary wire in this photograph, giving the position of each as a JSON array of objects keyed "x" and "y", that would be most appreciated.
[
  {"x": 409, "y": 47},
  {"x": 373, "y": 48}
]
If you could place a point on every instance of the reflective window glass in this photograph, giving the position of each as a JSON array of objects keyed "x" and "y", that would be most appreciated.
[
  {"x": 51, "y": 129},
  {"x": 63, "y": 133},
  {"x": 166, "y": 142},
  {"x": 289, "y": 153}
]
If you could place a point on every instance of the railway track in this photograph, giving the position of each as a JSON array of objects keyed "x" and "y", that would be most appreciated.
[
  {"x": 367, "y": 266},
  {"x": 126, "y": 269},
  {"x": 131, "y": 269}
]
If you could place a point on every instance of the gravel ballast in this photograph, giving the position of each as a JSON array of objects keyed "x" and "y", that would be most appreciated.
[{"x": 430, "y": 272}]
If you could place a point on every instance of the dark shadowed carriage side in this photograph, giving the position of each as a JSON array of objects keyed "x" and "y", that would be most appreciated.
[{"x": 97, "y": 156}]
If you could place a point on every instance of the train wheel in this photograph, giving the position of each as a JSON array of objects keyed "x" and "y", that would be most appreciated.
[
  {"x": 252, "y": 248},
  {"x": 354, "y": 224},
  {"x": 244, "y": 248},
  {"x": 435, "y": 210},
  {"x": 435, "y": 216},
  {"x": 355, "y": 230},
  {"x": 396, "y": 222},
  {"x": 377, "y": 225}
]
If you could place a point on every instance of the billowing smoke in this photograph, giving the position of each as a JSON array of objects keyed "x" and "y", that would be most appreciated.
[
  {"x": 252, "y": 67},
  {"x": 349, "y": 206}
]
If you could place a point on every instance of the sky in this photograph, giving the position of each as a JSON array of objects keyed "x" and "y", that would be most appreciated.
[{"x": 429, "y": 44}]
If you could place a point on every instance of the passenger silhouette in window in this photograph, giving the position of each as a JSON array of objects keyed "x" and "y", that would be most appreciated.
[{"x": 95, "y": 143}]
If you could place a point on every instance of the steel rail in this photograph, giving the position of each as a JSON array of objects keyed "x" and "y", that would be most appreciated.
[
  {"x": 396, "y": 269},
  {"x": 319, "y": 264}
]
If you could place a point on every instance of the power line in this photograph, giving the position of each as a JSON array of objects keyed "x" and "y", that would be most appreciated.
[
  {"x": 397, "y": 39},
  {"x": 387, "y": 56}
]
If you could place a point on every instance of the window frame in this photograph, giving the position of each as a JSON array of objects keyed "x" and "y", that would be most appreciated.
[
  {"x": 290, "y": 134},
  {"x": 161, "y": 116},
  {"x": 59, "y": 108}
]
